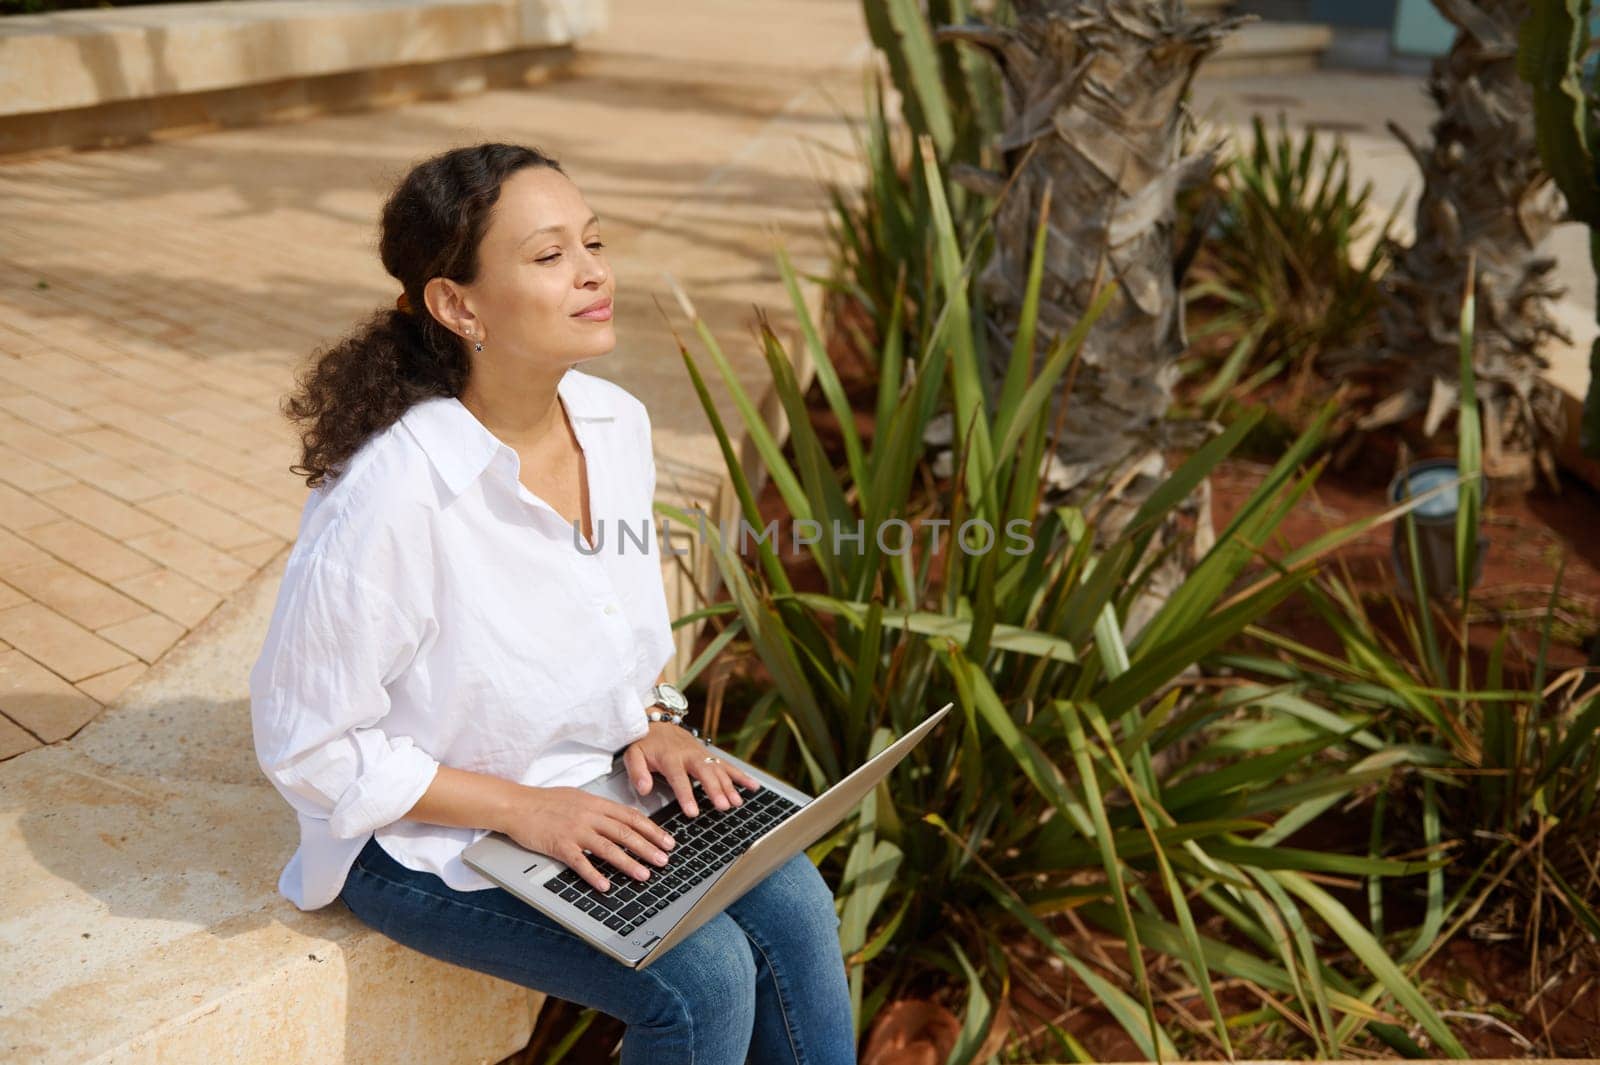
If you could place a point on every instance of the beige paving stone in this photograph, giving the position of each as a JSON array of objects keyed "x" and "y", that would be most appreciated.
[
  {"x": 213, "y": 400},
  {"x": 112, "y": 389},
  {"x": 95, "y": 554},
  {"x": 200, "y": 519},
  {"x": 207, "y": 565},
  {"x": 173, "y": 472},
  {"x": 116, "y": 444},
  {"x": 147, "y": 636},
  {"x": 74, "y": 594},
  {"x": 262, "y": 463},
  {"x": 14, "y": 341},
  {"x": 278, "y": 518},
  {"x": 243, "y": 385},
  {"x": 19, "y": 510},
  {"x": 99, "y": 510},
  {"x": 172, "y": 594},
  {"x": 16, "y": 552},
  {"x": 156, "y": 430},
  {"x": 10, "y": 596},
  {"x": 285, "y": 487},
  {"x": 46, "y": 446},
  {"x": 52, "y": 374},
  {"x": 149, "y": 325},
  {"x": 148, "y": 369},
  {"x": 274, "y": 422},
  {"x": 230, "y": 432},
  {"x": 259, "y": 554},
  {"x": 39, "y": 700},
  {"x": 234, "y": 496},
  {"x": 57, "y": 643},
  {"x": 14, "y": 739},
  {"x": 20, "y": 471},
  {"x": 116, "y": 478},
  {"x": 105, "y": 687},
  {"x": 41, "y": 412}
]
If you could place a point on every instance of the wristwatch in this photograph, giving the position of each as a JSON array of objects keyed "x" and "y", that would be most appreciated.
[{"x": 674, "y": 704}]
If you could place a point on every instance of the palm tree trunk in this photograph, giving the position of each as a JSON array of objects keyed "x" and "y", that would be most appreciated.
[
  {"x": 1094, "y": 111},
  {"x": 1094, "y": 93},
  {"x": 1486, "y": 196}
]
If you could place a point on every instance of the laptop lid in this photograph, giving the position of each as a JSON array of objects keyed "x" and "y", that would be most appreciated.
[{"x": 794, "y": 835}]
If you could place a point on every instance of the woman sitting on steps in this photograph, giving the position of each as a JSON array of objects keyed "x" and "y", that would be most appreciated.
[{"x": 447, "y": 658}]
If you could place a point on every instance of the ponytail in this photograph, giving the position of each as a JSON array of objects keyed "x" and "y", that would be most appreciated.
[{"x": 364, "y": 383}]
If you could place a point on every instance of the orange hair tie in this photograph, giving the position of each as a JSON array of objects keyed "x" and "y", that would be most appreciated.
[{"x": 403, "y": 303}]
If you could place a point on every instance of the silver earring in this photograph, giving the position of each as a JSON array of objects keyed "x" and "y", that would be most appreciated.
[{"x": 478, "y": 346}]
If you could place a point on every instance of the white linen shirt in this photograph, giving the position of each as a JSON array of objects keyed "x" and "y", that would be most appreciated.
[{"x": 434, "y": 611}]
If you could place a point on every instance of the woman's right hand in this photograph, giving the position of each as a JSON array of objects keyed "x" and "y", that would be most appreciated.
[{"x": 569, "y": 824}]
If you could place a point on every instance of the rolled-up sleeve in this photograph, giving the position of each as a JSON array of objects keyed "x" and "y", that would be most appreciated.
[{"x": 318, "y": 700}]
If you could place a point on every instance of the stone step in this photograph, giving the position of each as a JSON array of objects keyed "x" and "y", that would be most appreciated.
[
  {"x": 1262, "y": 48},
  {"x": 142, "y": 921},
  {"x": 95, "y": 78}
]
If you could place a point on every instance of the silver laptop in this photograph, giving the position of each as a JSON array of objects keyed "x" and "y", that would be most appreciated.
[{"x": 718, "y": 855}]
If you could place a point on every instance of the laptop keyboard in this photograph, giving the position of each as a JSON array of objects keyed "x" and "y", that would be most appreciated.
[{"x": 704, "y": 845}]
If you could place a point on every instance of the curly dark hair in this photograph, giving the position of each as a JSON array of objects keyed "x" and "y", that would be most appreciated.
[{"x": 432, "y": 225}]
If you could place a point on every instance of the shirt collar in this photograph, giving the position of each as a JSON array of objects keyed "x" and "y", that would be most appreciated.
[{"x": 461, "y": 447}]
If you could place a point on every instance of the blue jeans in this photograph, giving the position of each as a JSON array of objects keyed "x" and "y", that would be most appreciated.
[{"x": 762, "y": 982}]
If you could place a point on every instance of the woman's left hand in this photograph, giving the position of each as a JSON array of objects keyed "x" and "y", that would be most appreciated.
[{"x": 677, "y": 754}]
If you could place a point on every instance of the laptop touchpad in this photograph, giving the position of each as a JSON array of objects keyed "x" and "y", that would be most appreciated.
[{"x": 617, "y": 787}]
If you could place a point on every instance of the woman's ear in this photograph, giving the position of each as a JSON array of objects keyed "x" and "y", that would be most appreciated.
[{"x": 447, "y": 302}]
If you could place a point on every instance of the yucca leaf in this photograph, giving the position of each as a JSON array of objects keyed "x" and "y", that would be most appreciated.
[
  {"x": 1094, "y": 803},
  {"x": 712, "y": 650},
  {"x": 1154, "y": 666},
  {"x": 1373, "y": 956},
  {"x": 1020, "y": 365},
  {"x": 827, "y": 377},
  {"x": 978, "y": 1015},
  {"x": 1152, "y": 1041},
  {"x": 971, "y": 408},
  {"x": 741, "y": 484},
  {"x": 1192, "y": 956},
  {"x": 1221, "y": 957}
]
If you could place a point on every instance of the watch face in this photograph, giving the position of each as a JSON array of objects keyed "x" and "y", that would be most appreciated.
[{"x": 671, "y": 697}]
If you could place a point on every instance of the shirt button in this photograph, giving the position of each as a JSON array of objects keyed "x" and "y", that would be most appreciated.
[{"x": 611, "y": 608}]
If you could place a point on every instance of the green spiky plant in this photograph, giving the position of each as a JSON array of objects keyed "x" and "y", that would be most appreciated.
[
  {"x": 1513, "y": 784},
  {"x": 883, "y": 248},
  {"x": 1278, "y": 268},
  {"x": 1092, "y": 780}
]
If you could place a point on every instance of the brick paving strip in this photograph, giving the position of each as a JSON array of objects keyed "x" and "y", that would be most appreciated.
[{"x": 156, "y": 300}]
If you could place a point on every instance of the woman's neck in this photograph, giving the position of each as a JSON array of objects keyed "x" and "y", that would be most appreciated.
[{"x": 525, "y": 413}]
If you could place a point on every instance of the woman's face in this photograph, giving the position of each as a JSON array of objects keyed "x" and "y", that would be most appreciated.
[{"x": 541, "y": 263}]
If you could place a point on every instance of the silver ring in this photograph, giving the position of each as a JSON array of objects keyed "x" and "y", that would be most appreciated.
[{"x": 712, "y": 758}]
